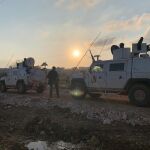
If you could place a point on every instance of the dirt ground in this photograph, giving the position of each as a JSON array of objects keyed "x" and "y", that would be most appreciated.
[{"x": 107, "y": 123}]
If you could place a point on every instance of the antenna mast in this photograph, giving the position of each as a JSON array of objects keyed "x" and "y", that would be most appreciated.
[{"x": 88, "y": 50}]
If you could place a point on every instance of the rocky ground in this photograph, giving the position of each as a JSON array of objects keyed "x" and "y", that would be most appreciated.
[{"x": 107, "y": 123}]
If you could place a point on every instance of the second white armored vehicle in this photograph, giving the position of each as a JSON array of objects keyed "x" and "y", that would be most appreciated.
[{"x": 25, "y": 76}]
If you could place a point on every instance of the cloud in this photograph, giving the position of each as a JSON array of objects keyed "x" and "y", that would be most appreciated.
[
  {"x": 129, "y": 30},
  {"x": 76, "y": 4},
  {"x": 105, "y": 42},
  {"x": 1, "y": 1},
  {"x": 147, "y": 34},
  {"x": 132, "y": 24}
]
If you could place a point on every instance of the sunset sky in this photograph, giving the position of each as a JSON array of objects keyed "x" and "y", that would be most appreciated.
[{"x": 50, "y": 30}]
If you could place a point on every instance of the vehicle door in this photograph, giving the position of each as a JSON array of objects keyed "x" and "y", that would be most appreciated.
[
  {"x": 97, "y": 76},
  {"x": 117, "y": 75},
  {"x": 14, "y": 77}
]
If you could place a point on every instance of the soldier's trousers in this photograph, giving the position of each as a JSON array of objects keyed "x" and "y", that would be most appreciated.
[{"x": 56, "y": 85}]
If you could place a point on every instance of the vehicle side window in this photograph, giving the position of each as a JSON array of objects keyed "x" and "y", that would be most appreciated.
[
  {"x": 97, "y": 68},
  {"x": 116, "y": 67}
]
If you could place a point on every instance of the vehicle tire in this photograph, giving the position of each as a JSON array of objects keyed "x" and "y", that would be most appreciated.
[
  {"x": 3, "y": 87},
  {"x": 78, "y": 90},
  {"x": 94, "y": 95},
  {"x": 21, "y": 87},
  {"x": 40, "y": 89},
  {"x": 139, "y": 95}
]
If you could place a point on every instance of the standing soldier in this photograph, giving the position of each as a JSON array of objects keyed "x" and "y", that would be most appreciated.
[{"x": 53, "y": 79}]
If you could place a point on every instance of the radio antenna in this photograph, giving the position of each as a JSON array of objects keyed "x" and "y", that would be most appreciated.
[
  {"x": 10, "y": 59},
  {"x": 88, "y": 50}
]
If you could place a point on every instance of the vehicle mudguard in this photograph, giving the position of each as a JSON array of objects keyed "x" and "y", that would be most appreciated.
[{"x": 133, "y": 81}]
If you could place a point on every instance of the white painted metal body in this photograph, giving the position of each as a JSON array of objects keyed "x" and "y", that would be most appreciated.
[
  {"x": 13, "y": 75},
  {"x": 31, "y": 76},
  {"x": 113, "y": 75}
]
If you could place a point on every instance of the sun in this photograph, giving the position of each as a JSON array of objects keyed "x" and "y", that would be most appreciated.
[{"x": 76, "y": 53}]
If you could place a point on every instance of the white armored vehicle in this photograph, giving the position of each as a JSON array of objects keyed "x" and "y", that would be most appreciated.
[
  {"x": 25, "y": 76},
  {"x": 127, "y": 73}
]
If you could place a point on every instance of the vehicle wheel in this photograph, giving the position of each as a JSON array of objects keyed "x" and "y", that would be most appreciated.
[
  {"x": 40, "y": 89},
  {"x": 139, "y": 95},
  {"x": 94, "y": 95},
  {"x": 78, "y": 90},
  {"x": 3, "y": 87},
  {"x": 21, "y": 87}
]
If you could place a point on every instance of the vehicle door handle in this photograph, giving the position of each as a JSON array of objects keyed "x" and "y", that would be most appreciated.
[{"x": 120, "y": 77}]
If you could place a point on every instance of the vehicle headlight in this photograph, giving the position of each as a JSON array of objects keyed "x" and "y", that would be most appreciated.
[{"x": 77, "y": 92}]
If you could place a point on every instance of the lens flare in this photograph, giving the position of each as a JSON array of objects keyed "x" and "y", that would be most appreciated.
[
  {"x": 77, "y": 93},
  {"x": 76, "y": 53}
]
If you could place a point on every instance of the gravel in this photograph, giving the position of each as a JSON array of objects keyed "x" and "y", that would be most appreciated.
[{"x": 105, "y": 110}]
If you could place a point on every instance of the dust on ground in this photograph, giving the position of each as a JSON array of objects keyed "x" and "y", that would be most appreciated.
[{"x": 109, "y": 123}]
